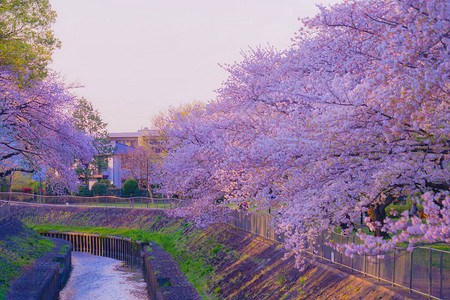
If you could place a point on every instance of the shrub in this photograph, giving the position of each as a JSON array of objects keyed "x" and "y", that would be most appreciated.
[
  {"x": 84, "y": 191},
  {"x": 143, "y": 193},
  {"x": 4, "y": 185},
  {"x": 130, "y": 186},
  {"x": 107, "y": 182},
  {"x": 27, "y": 190},
  {"x": 115, "y": 192},
  {"x": 99, "y": 189}
]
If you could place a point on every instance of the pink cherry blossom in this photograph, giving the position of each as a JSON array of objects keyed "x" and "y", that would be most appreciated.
[{"x": 351, "y": 117}]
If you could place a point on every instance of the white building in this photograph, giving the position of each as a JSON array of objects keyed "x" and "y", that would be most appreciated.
[{"x": 125, "y": 142}]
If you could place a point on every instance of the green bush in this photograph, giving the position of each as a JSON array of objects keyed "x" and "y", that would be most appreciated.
[
  {"x": 84, "y": 191},
  {"x": 114, "y": 192},
  {"x": 107, "y": 182},
  {"x": 99, "y": 189},
  {"x": 401, "y": 206},
  {"x": 4, "y": 185},
  {"x": 130, "y": 186}
]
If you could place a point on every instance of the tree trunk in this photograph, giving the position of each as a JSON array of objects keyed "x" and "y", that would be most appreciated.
[
  {"x": 377, "y": 213},
  {"x": 86, "y": 174}
]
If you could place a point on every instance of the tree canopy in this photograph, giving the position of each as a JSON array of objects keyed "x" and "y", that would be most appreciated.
[
  {"x": 353, "y": 116},
  {"x": 88, "y": 120},
  {"x": 37, "y": 131},
  {"x": 26, "y": 37},
  {"x": 139, "y": 164}
]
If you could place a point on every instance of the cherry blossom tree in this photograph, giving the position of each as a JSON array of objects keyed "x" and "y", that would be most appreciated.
[
  {"x": 139, "y": 163},
  {"x": 186, "y": 168},
  {"x": 37, "y": 130},
  {"x": 351, "y": 117}
]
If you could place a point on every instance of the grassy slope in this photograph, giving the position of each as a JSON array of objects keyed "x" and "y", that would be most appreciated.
[{"x": 17, "y": 252}]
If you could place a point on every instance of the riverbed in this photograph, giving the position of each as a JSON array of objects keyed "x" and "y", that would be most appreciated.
[{"x": 96, "y": 277}]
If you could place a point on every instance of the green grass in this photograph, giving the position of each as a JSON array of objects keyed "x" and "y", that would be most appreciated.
[
  {"x": 63, "y": 249},
  {"x": 17, "y": 252},
  {"x": 134, "y": 234},
  {"x": 442, "y": 247},
  {"x": 217, "y": 248}
]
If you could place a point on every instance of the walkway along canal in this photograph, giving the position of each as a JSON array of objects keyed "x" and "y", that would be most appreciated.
[{"x": 164, "y": 280}]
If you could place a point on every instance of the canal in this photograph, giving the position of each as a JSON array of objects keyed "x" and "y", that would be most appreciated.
[{"x": 97, "y": 277}]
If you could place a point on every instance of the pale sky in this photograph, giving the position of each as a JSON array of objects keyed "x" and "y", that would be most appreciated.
[{"x": 136, "y": 58}]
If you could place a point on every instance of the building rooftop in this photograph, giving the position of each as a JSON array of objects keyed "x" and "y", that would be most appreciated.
[{"x": 142, "y": 132}]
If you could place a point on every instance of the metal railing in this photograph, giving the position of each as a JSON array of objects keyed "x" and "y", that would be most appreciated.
[
  {"x": 424, "y": 270},
  {"x": 115, "y": 247},
  {"x": 101, "y": 201}
]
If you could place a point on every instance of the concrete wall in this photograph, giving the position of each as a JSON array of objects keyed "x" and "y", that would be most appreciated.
[{"x": 164, "y": 278}]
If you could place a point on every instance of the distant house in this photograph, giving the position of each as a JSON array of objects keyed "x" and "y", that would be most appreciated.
[
  {"x": 114, "y": 173},
  {"x": 133, "y": 139},
  {"x": 125, "y": 142}
]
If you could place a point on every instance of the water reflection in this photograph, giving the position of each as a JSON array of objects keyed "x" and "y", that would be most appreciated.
[{"x": 96, "y": 277}]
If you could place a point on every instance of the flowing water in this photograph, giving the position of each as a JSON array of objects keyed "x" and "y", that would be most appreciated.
[{"x": 96, "y": 277}]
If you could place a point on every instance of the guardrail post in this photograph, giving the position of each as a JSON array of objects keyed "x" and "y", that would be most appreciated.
[
  {"x": 364, "y": 265},
  {"x": 378, "y": 268},
  {"x": 353, "y": 241},
  {"x": 323, "y": 244}
]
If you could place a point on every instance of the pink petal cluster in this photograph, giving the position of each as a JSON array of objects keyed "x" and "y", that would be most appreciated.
[
  {"x": 355, "y": 112},
  {"x": 37, "y": 132}
]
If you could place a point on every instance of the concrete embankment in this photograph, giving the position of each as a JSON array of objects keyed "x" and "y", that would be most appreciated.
[
  {"x": 45, "y": 266},
  {"x": 225, "y": 262}
]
